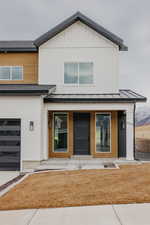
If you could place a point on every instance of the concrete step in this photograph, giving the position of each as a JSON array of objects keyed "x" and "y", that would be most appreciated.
[
  {"x": 74, "y": 163},
  {"x": 69, "y": 167},
  {"x": 82, "y": 157}
]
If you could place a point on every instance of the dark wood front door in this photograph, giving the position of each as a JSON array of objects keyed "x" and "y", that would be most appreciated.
[{"x": 81, "y": 133}]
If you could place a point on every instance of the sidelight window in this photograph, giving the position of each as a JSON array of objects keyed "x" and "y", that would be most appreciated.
[
  {"x": 60, "y": 132},
  {"x": 103, "y": 132}
]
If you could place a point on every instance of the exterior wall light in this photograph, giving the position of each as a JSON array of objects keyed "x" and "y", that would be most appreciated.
[{"x": 31, "y": 125}]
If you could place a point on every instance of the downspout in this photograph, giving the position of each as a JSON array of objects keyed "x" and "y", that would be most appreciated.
[{"x": 134, "y": 131}]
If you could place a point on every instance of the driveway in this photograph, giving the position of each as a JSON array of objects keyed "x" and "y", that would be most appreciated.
[
  {"x": 133, "y": 214},
  {"x": 6, "y": 176}
]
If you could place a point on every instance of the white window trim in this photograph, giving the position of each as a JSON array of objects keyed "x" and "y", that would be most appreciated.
[
  {"x": 78, "y": 84},
  {"x": 53, "y": 128},
  {"x": 109, "y": 113},
  {"x": 22, "y": 71}
]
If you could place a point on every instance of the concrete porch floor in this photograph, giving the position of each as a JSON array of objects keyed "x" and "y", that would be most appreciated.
[{"x": 81, "y": 162}]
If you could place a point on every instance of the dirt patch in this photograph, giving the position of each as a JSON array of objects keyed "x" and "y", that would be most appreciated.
[
  {"x": 142, "y": 145},
  {"x": 142, "y": 134},
  {"x": 130, "y": 184}
]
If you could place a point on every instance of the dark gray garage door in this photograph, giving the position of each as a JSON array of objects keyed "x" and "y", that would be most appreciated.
[{"x": 10, "y": 144}]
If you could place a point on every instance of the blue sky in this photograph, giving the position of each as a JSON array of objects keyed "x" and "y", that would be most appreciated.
[{"x": 129, "y": 19}]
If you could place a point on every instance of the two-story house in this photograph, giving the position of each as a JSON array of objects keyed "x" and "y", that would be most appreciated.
[{"x": 60, "y": 97}]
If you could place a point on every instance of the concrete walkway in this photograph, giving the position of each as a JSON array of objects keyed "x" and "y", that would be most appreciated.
[{"x": 133, "y": 214}]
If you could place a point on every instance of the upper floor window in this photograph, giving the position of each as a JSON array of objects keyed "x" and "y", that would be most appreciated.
[
  {"x": 11, "y": 72},
  {"x": 78, "y": 73}
]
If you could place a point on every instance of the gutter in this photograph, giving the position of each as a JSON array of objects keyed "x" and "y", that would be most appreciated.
[
  {"x": 18, "y": 50},
  {"x": 91, "y": 100},
  {"x": 134, "y": 144}
]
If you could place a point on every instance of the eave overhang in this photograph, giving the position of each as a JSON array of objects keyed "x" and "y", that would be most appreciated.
[{"x": 124, "y": 96}]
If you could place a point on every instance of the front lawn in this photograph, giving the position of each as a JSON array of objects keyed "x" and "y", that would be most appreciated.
[{"x": 129, "y": 184}]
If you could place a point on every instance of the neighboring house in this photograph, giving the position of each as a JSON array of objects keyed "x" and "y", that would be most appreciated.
[{"x": 59, "y": 96}]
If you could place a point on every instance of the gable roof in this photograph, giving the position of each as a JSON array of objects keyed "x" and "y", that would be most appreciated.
[
  {"x": 32, "y": 46},
  {"x": 87, "y": 21}
]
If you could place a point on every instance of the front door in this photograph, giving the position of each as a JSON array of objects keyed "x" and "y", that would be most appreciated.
[{"x": 81, "y": 133}]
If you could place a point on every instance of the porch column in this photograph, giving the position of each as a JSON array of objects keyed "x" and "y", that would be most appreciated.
[
  {"x": 130, "y": 133},
  {"x": 45, "y": 134}
]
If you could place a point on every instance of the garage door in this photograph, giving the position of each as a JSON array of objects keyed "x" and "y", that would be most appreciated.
[{"x": 10, "y": 144}]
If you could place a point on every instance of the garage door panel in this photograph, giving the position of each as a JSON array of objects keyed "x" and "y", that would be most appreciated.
[
  {"x": 9, "y": 138},
  {"x": 11, "y": 122},
  {"x": 9, "y": 128},
  {"x": 9, "y": 148}
]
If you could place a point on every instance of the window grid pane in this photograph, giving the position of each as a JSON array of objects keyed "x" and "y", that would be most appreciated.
[
  {"x": 70, "y": 73},
  {"x": 16, "y": 73},
  {"x": 4, "y": 73},
  {"x": 85, "y": 73}
]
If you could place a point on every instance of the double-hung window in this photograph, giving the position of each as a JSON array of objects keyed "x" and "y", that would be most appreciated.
[
  {"x": 78, "y": 73},
  {"x": 11, "y": 73}
]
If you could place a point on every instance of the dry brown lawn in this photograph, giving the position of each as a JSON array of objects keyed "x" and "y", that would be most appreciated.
[{"x": 129, "y": 184}]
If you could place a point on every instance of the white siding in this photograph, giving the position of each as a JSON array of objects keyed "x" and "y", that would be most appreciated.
[
  {"x": 27, "y": 109},
  {"x": 79, "y": 43}
]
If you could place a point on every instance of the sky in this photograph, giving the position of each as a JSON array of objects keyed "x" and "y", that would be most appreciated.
[{"x": 129, "y": 19}]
